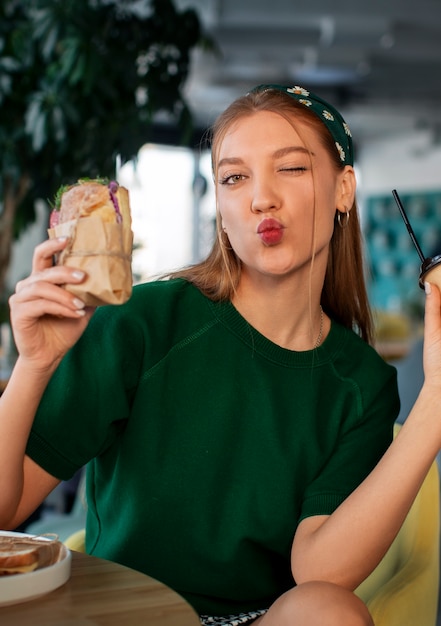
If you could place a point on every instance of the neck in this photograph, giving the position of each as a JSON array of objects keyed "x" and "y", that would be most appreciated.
[{"x": 285, "y": 314}]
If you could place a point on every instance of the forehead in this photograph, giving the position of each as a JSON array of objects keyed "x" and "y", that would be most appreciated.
[{"x": 265, "y": 131}]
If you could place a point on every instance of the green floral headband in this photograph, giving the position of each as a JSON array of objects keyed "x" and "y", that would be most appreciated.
[{"x": 325, "y": 112}]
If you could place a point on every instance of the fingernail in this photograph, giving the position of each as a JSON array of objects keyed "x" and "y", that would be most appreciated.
[
  {"x": 79, "y": 304},
  {"x": 62, "y": 239},
  {"x": 428, "y": 288},
  {"x": 78, "y": 275}
]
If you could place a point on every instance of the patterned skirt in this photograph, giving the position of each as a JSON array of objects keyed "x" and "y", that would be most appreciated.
[{"x": 231, "y": 620}]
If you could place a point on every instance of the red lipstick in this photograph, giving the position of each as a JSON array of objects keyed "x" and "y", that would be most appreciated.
[{"x": 270, "y": 231}]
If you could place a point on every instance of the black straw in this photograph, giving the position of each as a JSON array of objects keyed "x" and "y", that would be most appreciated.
[{"x": 408, "y": 226}]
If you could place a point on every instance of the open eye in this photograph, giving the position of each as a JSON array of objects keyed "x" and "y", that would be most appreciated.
[{"x": 231, "y": 179}]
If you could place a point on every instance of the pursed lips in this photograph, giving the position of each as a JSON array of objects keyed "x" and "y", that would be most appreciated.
[
  {"x": 269, "y": 223},
  {"x": 270, "y": 231}
]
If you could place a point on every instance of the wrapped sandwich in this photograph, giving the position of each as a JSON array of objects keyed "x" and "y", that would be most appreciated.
[
  {"x": 95, "y": 216},
  {"x": 21, "y": 555}
]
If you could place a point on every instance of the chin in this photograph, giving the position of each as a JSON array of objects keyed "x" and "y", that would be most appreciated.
[{"x": 277, "y": 272}]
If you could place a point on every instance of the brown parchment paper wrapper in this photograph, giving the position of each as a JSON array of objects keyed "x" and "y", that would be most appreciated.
[{"x": 104, "y": 251}]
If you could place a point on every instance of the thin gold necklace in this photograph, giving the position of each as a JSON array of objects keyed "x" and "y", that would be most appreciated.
[{"x": 319, "y": 338}]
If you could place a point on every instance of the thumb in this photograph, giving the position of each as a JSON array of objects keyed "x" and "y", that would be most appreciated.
[
  {"x": 432, "y": 329},
  {"x": 432, "y": 307}
]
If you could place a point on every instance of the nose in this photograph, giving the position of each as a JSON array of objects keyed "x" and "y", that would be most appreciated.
[{"x": 265, "y": 197}]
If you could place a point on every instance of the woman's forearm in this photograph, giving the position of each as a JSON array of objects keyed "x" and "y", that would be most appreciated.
[
  {"x": 346, "y": 546},
  {"x": 18, "y": 406}
]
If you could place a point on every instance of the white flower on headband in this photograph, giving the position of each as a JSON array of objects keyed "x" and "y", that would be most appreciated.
[
  {"x": 328, "y": 116},
  {"x": 347, "y": 129},
  {"x": 307, "y": 103},
  {"x": 298, "y": 90},
  {"x": 340, "y": 151}
]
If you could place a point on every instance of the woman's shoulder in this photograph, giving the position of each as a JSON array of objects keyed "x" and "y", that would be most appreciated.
[
  {"x": 159, "y": 296},
  {"x": 352, "y": 354},
  {"x": 155, "y": 295},
  {"x": 164, "y": 288},
  {"x": 360, "y": 367},
  {"x": 167, "y": 304}
]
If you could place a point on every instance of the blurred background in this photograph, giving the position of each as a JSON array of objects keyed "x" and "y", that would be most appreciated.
[{"x": 127, "y": 89}]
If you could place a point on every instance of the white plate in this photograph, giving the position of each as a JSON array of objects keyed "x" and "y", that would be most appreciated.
[{"x": 21, "y": 587}]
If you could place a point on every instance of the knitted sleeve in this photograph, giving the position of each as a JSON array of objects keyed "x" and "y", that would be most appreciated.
[
  {"x": 88, "y": 399},
  {"x": 361, "y": 443}
]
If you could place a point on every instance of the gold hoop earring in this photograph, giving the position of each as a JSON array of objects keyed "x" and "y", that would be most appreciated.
[{"x": 341, "y": 223}]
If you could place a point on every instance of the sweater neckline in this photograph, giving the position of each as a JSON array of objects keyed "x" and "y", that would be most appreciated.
[{"x": 230, "y": 317}]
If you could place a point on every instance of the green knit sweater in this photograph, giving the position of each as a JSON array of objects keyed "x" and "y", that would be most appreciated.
[{"x": 206, "y": 443}]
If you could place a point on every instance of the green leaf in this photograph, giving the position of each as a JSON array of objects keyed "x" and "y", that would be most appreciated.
[
  {"x": 39, "y": 132},
  {"x": 9, "y": 64},
  {"x": 78, "y": 70},
  {"x": 69, "y": 55},
  {"x": 32, "y": 115},
  {"x": 58, "y": 124}
]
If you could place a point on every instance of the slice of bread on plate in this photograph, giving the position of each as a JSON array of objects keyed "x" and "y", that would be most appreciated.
[{"x": 26, "y": 554}]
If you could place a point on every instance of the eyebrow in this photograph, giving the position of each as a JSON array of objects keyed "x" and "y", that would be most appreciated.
[
  {"x": 289, "y": 150},
  {"x": 278, "y": 154}
]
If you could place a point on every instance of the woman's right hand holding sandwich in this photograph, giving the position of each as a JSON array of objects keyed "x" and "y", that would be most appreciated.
[{"x": 46, "y": 319}]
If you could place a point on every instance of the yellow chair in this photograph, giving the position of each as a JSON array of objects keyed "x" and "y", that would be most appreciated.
[
  {"x": 77, "y": 541},
  {"x": 403, "y": 589}
]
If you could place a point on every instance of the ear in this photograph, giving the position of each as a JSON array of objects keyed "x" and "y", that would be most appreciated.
[{"x": 345, "y": 191}]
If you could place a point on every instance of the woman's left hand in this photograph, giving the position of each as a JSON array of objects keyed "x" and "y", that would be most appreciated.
[{"x": 432, "y": 337}]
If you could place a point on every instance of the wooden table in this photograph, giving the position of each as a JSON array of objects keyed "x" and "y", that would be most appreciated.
[{"x": 102, "y": 593}]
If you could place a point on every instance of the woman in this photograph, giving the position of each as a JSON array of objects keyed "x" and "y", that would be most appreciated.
[{"x": 236, "y": 424}]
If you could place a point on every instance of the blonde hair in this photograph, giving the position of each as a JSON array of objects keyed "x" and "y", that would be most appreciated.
[{"x": 344, "y": 295}]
